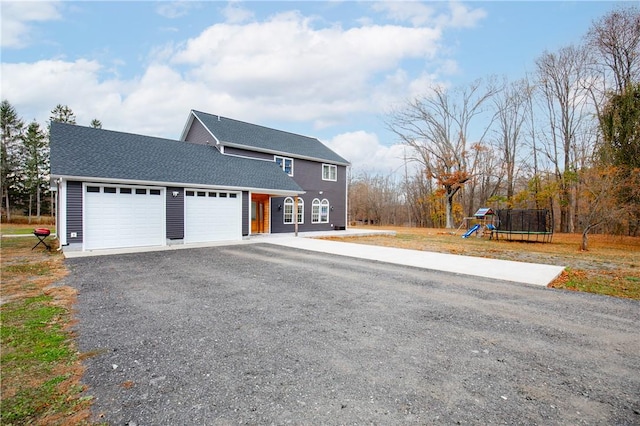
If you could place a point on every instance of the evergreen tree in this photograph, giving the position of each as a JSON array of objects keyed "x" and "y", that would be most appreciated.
[
  {"x": 63, "y": 114},
  {"x": 36, "y": 146},
  {"x": 96, "y": 124},
  {"x": 620, "y": 123},
  {"x": 11, "y": 128}
]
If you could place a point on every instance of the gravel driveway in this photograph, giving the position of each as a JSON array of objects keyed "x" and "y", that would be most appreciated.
[{"x": 260, "y": 334}]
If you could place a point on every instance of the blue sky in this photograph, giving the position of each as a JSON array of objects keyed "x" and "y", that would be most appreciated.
[{"x": 329, "y": 69}]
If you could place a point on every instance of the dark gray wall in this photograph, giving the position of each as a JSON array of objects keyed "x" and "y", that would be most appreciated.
[
  {"x": 308, "y": 174},
  {"x": 74, "y": 211},
  {"x": 198, "y": 134},
  {"x": 175, "y": 214},
  {"x": 246, "y": 208},
  {"x": 251, "y": 154}
]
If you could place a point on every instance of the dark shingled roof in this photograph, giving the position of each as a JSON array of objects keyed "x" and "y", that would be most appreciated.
[
  {"x": 96, "y": 153},
  {"x": 238, "y": 133}
]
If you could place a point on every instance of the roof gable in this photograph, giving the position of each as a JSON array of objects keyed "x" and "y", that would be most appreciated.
[
  {"x": 255, "y": 137},
  {"x": 96, "y": 153}
]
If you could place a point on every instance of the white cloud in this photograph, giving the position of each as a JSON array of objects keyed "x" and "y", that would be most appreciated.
[
  {"x": 175, "y": 9},
  {"x": 462, "y": 16},
  {"x": 40, "y": 86},
  {"x": 285, "y": 64},
  {"x": 417, "y": 13},
  {"x": 367, "y": 154},
  {"x": 16, "y": 17},
  {"x": 235, "y": 14},
  {"x": 421, "y": 14},
  {"x": 288, "y": 67}
]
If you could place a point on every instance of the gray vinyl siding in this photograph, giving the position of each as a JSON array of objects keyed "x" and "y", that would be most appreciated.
[
  {"x": 199, "y": 134},
  {"x": 74, "y": 211},
  {"x": 308, "y": 174},
  {"x": 246, "y": 153},
  {"x": 246, "y": 207},
  {"x": 175, "y": 214}
]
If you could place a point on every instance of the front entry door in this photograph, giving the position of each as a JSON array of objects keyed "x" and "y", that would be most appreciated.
[{"x": 259, "y": 213}]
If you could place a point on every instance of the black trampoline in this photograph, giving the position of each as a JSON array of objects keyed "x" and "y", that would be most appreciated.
[{"x": 534, "y": 225}]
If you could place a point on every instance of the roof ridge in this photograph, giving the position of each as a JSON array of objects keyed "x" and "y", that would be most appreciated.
[
  {"x": 136, "y": 135},
  {"x": 256, "y": 125}
]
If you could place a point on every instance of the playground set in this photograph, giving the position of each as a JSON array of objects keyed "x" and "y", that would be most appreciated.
[{"x": 533, "y": 225}]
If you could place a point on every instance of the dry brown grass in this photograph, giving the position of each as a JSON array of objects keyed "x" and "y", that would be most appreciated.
[{"x": 611, "y": 261}]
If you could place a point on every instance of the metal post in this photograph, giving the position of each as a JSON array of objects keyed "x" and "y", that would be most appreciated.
[{"x": 295, "y": 215}]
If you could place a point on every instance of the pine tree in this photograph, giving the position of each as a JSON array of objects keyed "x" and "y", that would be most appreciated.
[
  {"x": 36, "y": 146},
  {"x": 63, "y": 114},
  {"x": 12, "y": 128}
]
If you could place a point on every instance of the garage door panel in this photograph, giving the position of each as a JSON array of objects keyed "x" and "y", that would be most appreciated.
[
  {"x": 212, "y": 217},
  {"x": 124, "y": 218}
]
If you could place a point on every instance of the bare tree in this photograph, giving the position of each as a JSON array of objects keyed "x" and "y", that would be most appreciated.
[
  {"x": 598, "y": 194},
  {"x": 511, "y": 106},
  {"x": 563, "y": 80},
  {"x": 436, "y": 127},
  {"x": 615, "y": 39}
]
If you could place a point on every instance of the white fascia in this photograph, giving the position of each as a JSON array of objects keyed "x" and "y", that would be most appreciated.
[{"x": 89, "y": 179}]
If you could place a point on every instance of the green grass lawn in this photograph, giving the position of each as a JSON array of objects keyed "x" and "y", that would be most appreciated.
[
  {"x": 40, "y": 365},
  {"x": 11, "y": 229}
]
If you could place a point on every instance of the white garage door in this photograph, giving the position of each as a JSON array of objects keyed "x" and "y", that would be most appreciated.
[
  {"x": 212, "y": 216},
  {"x": 118, "y": 216}
]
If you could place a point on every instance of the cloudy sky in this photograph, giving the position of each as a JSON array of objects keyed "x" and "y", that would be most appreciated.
[{"x": 328, "y": 69}]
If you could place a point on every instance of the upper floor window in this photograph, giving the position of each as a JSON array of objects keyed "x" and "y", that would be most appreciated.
[
  {"x": 329, "y": 172},
  {"x": 285, "y": 164},
  {"x": 320, "y": 211},
  {"x": 288, "y": 210}
]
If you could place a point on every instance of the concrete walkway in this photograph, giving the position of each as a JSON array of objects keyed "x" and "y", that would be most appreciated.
[{"x": 520, "y": 272}]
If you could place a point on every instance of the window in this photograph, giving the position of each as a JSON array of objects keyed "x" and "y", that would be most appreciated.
[
  {"x": 300, "y": 210},
  {"x": 154, "y": 191},
  {"x": 125, "y": 190},
  {"x": 109, "y": 190},
  {"x": 320, "y": 211},
  {"x": 315, "y": 211},
  {"x": 93, "y": 189},
  {"x": 288, "y": 210},
  {"x": 329, "y": 172},
  {"x": 324, "y": 211},
  {"x": 285, "y": 164}
]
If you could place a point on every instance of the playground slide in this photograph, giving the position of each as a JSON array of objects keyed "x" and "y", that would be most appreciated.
[{"x": 471, "y": 231}]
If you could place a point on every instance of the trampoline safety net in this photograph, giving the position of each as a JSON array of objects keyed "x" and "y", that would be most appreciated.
[{"x": 524, "y": 224}]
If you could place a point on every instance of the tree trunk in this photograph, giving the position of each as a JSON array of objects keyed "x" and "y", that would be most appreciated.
[
  {"x": 449, "y": 211},
  {"x": 7, "y": 209},
  {"x": 30, "y": 204},
  {"x": 38, "y": 202}
]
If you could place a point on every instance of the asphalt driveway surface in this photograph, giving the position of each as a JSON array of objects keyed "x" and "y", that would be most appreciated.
[{"x": 262, "y": 334}]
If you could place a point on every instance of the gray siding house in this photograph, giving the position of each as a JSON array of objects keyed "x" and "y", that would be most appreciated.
[
  {"x": 319, "y": 171},
  {"x": 118, "y": 189}
]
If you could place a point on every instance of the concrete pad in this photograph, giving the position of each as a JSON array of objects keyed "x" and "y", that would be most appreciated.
[{"x": 521, "y": 272}]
